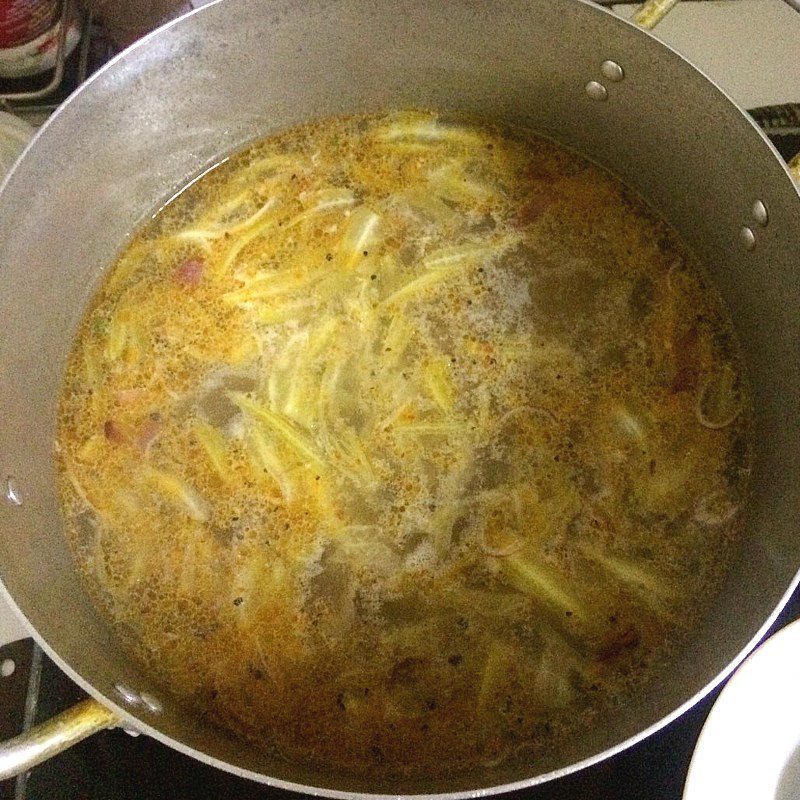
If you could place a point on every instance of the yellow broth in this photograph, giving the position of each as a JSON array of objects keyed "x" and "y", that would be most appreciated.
[{"x": 400, "y": 445}]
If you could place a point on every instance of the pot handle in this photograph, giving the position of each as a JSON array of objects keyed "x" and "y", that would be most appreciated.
[
  {"x": 49, "y": 738},
  {"x": 794, "y": 168},
  {"x": 650, "y": 13}
]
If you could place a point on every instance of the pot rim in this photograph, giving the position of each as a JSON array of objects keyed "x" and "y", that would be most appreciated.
[{"x": 134, "y": 723}]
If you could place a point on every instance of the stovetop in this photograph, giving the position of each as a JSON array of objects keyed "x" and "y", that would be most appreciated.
[{"x": 114, "y": 764}]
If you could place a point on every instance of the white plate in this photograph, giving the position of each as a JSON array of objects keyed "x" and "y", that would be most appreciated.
[{"x": 749, "y": 748}]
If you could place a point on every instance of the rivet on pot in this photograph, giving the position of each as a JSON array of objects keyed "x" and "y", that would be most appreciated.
[
  {"x": 596, "y": 90},
  {"x": 11, "y": 492},
  {"x": 760, "y": 213},
  {"x": 612, "y": 71},
  {"x": 128, "y": 695},
  {"x": 152, "y": 704},
  {"x": 747, "y": 238}
]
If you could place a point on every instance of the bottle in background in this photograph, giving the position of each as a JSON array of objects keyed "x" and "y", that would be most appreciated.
[{"x": 29, "y": 31}]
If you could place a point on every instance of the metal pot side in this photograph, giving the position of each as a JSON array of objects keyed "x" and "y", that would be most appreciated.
[{"x": 233, "y": 71}]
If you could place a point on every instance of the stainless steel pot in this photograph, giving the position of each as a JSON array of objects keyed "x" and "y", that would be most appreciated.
[{"x": 238, "y": 69}]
